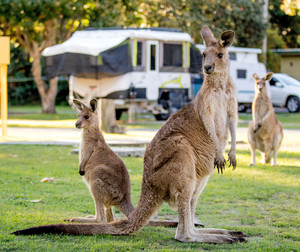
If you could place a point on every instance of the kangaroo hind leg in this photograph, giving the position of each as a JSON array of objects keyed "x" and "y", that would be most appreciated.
[
  {"x": 186, "y": 232},
  {"x": 251, "y": 140},
  {"x": 276, "y": 145},
  {"x": 109, "y": 214}
]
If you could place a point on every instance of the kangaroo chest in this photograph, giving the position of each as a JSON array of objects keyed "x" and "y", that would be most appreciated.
[
  {"x": 260, "y": 107},
  {"x": 214, "y": 109},
  {"x": 87, "y": 144},
  {"x": 218, "y": 102}
]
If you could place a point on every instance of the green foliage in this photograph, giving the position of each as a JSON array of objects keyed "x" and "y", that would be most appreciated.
[
  {"x": 273, "y": 62},
  {"x": 242, "y": 16},
  {"x": 261, "y": 201},
  {"x": 287, "y": 25},
  {"x": 39, "y": 24},
  {"x": 39, "y": 20},
  {"x": 21, "y": 88}
]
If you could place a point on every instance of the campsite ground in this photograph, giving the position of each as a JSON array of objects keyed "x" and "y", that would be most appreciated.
[{"x": 262, "y": 201}]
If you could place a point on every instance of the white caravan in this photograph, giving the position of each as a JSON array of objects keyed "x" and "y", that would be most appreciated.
[
  {"x": 150, "y": 65},
  {"x": 243, "y": 64}
]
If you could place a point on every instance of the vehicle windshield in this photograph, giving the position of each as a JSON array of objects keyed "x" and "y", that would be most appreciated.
[{"x": 288, "y": 80}]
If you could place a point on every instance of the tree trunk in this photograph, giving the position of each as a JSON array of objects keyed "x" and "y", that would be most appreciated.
[
  {"x": 48, "y": 100},
  {"x": 265, "y": 40},
  {"x": 107, "y": 117},
  {"x": 47, "y": 94}
]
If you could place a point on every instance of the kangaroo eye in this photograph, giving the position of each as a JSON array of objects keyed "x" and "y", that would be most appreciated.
[
  {"x": 86, "y": 117},
  {"x": 220, "y": 55}
]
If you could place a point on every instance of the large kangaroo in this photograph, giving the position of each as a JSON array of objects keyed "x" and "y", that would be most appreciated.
[
  {"x": 182, "y": 156},
  {"x": 103, "y": 171},
  {"x": 264, "y": 131}
]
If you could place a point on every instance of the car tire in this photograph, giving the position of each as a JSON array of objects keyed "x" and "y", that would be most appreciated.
[{"x": 293, "y": 104}]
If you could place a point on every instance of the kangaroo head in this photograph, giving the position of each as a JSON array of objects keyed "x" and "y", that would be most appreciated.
[
  {"x": 87, "y": 115},
  {"x": 260, "y": 84},
  {"x": 215, "y": 57}
]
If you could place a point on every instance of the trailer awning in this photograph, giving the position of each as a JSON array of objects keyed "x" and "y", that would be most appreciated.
[{"x": 86, "y": 55}]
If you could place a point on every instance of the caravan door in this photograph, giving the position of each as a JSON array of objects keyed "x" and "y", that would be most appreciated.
[{"x": 152, "y": 76}]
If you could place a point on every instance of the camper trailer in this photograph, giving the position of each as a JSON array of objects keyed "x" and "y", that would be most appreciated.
[
  {"x": 243, "y": 64},
  {"x": 152, "y": 66}
]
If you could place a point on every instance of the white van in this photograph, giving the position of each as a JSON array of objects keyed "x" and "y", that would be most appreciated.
[{"x": 150, "y": 65}]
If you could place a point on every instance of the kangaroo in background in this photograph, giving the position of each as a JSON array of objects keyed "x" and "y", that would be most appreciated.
[
  {"x": 264, "y": 131},
  {"x": 182, "y": 156},
  {"x": 103, "y": 171}
]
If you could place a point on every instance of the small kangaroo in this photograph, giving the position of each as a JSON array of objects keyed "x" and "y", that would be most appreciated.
[
  {"x": 181, "y": 157},
  {"x": 103, "y": 171},
  {"x": 264, "y": 131}
]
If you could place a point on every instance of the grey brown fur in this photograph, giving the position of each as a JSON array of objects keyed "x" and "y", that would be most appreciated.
[
  {"x": 103, "y": 171},
  {"x": 182, "y": 156},
  {"x": 265, "y": 131}
]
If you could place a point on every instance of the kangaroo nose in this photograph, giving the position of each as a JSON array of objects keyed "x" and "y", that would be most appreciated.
[
  {"x": 208, "y": 69},
  {"x": 81, "y": 173},
  {"x": 77, "y": 125}
]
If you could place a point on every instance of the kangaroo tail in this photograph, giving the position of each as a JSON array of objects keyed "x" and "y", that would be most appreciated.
[
  {"x": 115, "y": 228},
  {"x": 147, "y": 206}
]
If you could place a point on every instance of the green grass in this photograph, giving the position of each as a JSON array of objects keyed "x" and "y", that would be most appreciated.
[
  {"x": 288, "y": 120},
  {"x": 29, "y": 112},
  {"x": 25, "y": 113},
  {"x": 262, "y": 201}
]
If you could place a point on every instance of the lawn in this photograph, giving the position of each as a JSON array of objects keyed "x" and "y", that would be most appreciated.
[
  {"x": 262, "y": 201},
  {"x": 31, "y": 116},
  {"x": 288, "y": 120},
  {"x": 33, "y": 112}
]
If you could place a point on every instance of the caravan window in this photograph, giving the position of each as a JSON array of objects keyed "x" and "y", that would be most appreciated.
[
  {"x": 232, "y": 56},
  {"x": 152, "y": 57},
  {"x": 139, "y": 55},
  {"x": 172, "y": 55},
  {"x": 241, "y": 74}
]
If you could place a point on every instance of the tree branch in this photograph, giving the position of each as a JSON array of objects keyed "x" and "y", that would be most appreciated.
[{"x": 23, "y": 40}]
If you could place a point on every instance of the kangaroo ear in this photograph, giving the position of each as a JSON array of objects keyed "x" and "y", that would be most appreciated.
[
  {"x": 207, "y": 36},
  {"x": 79, "y": 105},
  {"x": 93, "y": 104},
  {"x": 255, "y": 76},
  {"x": 226, "y": 38},
  {"x": 268, "y": 76}
]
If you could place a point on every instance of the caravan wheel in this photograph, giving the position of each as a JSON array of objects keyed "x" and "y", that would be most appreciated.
[
  {"x": 119, "y": 113},
  {"x": 161, "y": 117}
]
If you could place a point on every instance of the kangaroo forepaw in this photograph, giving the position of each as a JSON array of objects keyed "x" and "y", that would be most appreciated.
[
  {"x": 232, "y": 161},
  {"x": 220, "y": 164},
  {"x": 257, "y": 128}
]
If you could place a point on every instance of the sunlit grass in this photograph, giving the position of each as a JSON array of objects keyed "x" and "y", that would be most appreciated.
[
  {"x": 28, "y": 113},
  {"x": 261, "y": 200}
]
